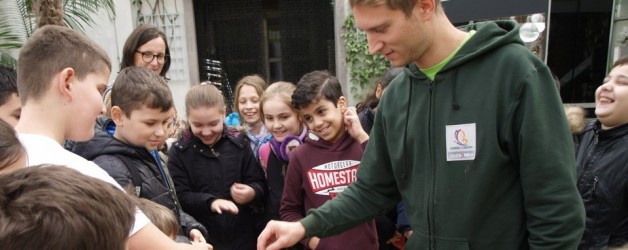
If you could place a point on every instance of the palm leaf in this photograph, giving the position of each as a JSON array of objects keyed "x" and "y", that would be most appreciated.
[
  {"x": 79, "y": 12},
  {"x": 17, "y": 22},
  {"x": 7, "y": 60},
  {"x": 15, "y": 27},
  {"x": 26, "y": 20}
]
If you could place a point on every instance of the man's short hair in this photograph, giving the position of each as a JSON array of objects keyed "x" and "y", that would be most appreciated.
[
  {"x": 8, "y": 83},
  {"x": 54, "y": 207},
  {"x": 51, "y": 49},
  {"x": 314, "y": 86},
  {"x": 404, "y": 5},
  {"x": 135, "y": 87}
]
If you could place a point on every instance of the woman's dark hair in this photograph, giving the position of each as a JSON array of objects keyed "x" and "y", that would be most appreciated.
[
  {"x": 141, "y": 35},
  {"x": 371, "y": 99}
]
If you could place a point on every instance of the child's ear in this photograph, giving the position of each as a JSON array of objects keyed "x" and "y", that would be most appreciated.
[
  {"x": 64, "y": 81},
  {"x": 342, "y": 103},
  {"x": 116, "y": 116}
]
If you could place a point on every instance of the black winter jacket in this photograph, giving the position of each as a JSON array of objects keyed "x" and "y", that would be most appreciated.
[
  {"x": 602, "y": 165},
  {"x": 202, "y": 174},
  {"x": 106, "y": 151}
]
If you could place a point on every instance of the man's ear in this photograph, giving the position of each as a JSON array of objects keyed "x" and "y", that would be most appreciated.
[
  {"x": 427, "y": 8},
  {"x": 342, "y": 103},
  {"x": 117, "y": 115},
  {"x": 64, "y": 81}
]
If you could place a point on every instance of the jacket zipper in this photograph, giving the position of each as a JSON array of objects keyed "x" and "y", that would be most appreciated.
[
  {"x": 595, "y": 180},
  {"x": 432, "y": 170},
  {"x": 216, "y": 154},
  {"x": 597, "y": 136}
]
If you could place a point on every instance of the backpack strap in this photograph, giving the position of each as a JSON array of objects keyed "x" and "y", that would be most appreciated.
[
  {"x": 136, "y": 179},
  {"x": 264, "y": 154}
]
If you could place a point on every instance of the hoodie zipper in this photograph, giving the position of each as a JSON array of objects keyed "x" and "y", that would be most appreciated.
[{"x": 431, "y": 183}]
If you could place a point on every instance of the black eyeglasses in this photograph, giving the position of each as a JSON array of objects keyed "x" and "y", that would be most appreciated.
[{"x": 148, "y": 57}]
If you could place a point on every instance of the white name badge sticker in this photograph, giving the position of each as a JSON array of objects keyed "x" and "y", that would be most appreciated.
[{"x": 460, "y": 142}]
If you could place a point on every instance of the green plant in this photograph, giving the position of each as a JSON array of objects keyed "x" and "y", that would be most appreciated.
[
  {"x": 17, "y": 21},
  {"x": 156, "y": 13},
  {"x": 363, "y": 67}
]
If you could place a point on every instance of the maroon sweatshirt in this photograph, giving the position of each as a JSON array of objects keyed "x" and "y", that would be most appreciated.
[{"x": 317, "y": 172}]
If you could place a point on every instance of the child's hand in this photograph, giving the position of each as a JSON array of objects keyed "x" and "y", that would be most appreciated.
[
  {"x": 202, "y": 245},
  {"x": 352, "y": 123},
  {"x": 242, "y": 193},
  {"x": 313, "y": 243},
  {"x": 222, "y": 205},
  {"x": 196, "y": 236},
  {"x": 398, "y": 236},
  {"x": 407, "y": 234}
]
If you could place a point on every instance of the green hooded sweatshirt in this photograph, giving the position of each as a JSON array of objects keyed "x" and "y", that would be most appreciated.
[{"x": 482, "y": 155}]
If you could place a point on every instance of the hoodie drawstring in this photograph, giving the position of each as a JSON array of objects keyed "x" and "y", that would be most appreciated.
[
  {"x": 405, "y": 134},
  {"x": 454, "y": 105}
]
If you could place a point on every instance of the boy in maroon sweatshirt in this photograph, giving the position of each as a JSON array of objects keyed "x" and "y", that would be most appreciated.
[{"x": 327, "y": 162}]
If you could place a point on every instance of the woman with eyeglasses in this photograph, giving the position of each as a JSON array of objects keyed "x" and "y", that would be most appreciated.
[{"x": 147, "y": 47}]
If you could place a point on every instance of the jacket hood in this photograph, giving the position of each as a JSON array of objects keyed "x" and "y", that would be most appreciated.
[
  {"x": 342, "y": 144},
  {"x": 488, "y": 36},
  {"x": 235, "y": 135},
  {"x": 575, "y": 119},
  {"x": 102, "y": 122},
  {"x": 105, "y": 144}
]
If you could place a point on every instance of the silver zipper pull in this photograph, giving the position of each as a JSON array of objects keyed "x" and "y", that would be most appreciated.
[
  {"x": 595, "y": 180},
  {"x": 215, "y": 153}
]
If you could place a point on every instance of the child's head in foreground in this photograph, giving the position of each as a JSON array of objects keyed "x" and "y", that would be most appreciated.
[
  {"x": 62, "y": 67},
  {"x": 141, "y": 107},
  {"x": 611, "y": 98},
  {"x": 319, "y": 99},
  {"x": 206, "y": 109},
  {"x": 54, "y": 207},
  {"x": 161, "y": 216},
  {"x": 12, "y": 153}
]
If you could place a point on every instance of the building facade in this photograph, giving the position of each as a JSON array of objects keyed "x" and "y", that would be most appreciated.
[{"x": 284, "y": 39}]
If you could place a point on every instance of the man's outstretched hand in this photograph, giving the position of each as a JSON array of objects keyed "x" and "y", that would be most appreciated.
[{"x": 280, "y": 234}]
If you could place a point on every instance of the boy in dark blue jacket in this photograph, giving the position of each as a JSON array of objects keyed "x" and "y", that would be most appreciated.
[{"x": 142, "y": 110}]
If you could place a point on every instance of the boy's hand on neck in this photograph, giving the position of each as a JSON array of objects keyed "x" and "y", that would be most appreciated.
[{"x": 353, "y": 126}]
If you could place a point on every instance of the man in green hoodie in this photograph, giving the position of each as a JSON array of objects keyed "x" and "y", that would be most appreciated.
[{"x": 472, "y": 137}]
